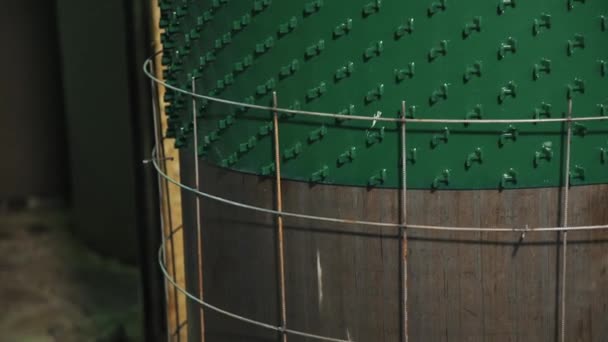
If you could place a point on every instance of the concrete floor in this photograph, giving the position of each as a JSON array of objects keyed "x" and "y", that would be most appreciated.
[{"x": 53, "y": 289}]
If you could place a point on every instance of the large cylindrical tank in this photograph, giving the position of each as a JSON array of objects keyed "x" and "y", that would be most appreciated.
[{"x": 479, "y": 60}]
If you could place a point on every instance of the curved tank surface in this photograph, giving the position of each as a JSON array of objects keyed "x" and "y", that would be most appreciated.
[{"x": 484, "y": 114}]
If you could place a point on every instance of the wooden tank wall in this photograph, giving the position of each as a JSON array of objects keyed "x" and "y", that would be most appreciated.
[{"x": 343, "y": 280}]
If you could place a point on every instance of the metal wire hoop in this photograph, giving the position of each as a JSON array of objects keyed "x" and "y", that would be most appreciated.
[
  {"x": 148, "y": 65},
  {"x": 361, "y": 222},
  {"x": 173, "y": 282},
  {"x": 147, "y": 68}
]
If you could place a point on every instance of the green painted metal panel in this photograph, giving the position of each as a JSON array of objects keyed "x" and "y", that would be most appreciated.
[{"x": 504, "y": 59}]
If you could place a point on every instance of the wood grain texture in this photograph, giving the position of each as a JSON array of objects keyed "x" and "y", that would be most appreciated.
[
  {"x": 171, "y": 206},
  {"x": 343, "y": 280}
]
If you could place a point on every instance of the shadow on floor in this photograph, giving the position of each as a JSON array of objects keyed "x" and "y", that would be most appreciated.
[{"x": 53, "y": 289}]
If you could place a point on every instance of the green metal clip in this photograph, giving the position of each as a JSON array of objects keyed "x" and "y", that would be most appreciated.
[
  {"x": 509, "y": 177},
  {"x": 293, "y": 152},
  {"x": 343, "y": 28},
  {"x": 473, "y": 70},
  {"x": 413, "y": 155},
  {"x": 231, "y": 160},
  {"x": 265, "y": 88},
  {"x": 320, "y": 175},
  {"x": 440, "y": 94},
  {"x": 290, "y": 69},
  {"x": 544, "y": 111},
  {"x": 372, "y": 8},
  {"x": 436, "y": 7},
  {"x": 268, "y": 169},
  {"x": 248, "y": 146},
  {"x": 578, "y": 173},
  {"x": 315, "y": 49},
  {"x": 345, "y": 71},
  {"x": 543, "y": 67},
  {"x": 374, "y": 50},
  {"x": 476, "y": 113},
  {"x": 578, "y": 86},
  {"x": 229, "y": 78},
  {"x": 374, "y": 137},
  {"x": 350, "y": 110},
  {"x": 348, "y": 156},
  {"x": 572, "y": 2},
  {"x": 545, "y": 153},
  {"x": 443, "y": 137},
  {"x": 316, "y": 92},
  {"x": 265, "y": 130},
  {"x": 474, "y": 157},
  {"x": 408, "y": 27},
  {"x": 503, "y": 4},
  {"x": 312, "y": 7},
  {"x": 287, "y": 27},
  {"x": 264, "y": 46},
  {"x": 603, "y": 110},
  {"x": 442, "y": 178},
  {"x": 510, "y": 90},
  {"x": 409, "y": 71},
  {"x": 225, "y": 123},
  {"x": 544, "y": 22},
  {"x": 374, "y": 94},
  {"x": 378, "y": 178},
  {"x": 441, "y": 50},
  {"x": 509, "y": 46},
  {"x": 294, "y": 106},
  {"x": 579, "y": 129},
  {"x": 260, "y": 5},
  {"x": 317, "y": 134},
  {"x": 510, "y": 134},
  {"x": 473, "y": 26},
  {"x": 577, "y": 43},
  {"x": 239, "y": 24}
]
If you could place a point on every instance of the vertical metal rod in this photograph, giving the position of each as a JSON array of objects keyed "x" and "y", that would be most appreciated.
[
  {"x": 281, "y": 248},
  {"x": 403, "y": 229},
  {"x": 158, "y": 146},
  {"x": 565, "y": 221},
  {"x": 199, "y": 234}
]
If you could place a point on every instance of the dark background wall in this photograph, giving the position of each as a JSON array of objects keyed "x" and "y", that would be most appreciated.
[
  {"x": 32, "y": 134},
  {"x": 108, "y": 112},
  {"x": 75, "y": 124},
  {"x": 98, "y": 114}
]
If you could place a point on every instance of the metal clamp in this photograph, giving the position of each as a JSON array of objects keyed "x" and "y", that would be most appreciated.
[
  {"x": 443, "y": 178},
  {"x": 442, "y": 137},
  {"x": 509, "y": 177},
  {"x": 320, "y": 175},
  {"x": 543, "y": 67},
  {"x": 377, "y": 179},
  {"x": 408, "y": 27},
  {"x": 510, "y": 90},
  {"x": 473, "y": 26},
  {"x": 577, "y": 43},
  {"x": 510, "y": 133},
  {"x": 543, "y": 22},
  {"x": 503, "y": 4},
  {"x": 509, "y": 46},
  {"x": 437, "y": 51},
  {"x": 474, "y": 157},
  {"x": 440, "y": 94},
  {"x": 436, "y": 7},
  {"x": 473, "y": 70},
  {"x": 348, "y": 156},
  {"x": 545, "y": 153}
]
